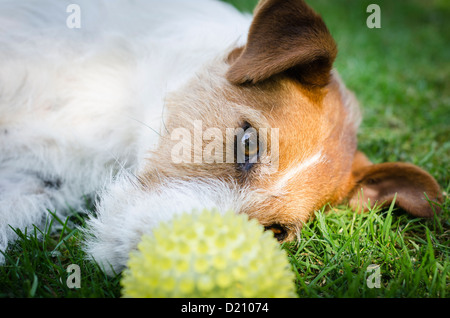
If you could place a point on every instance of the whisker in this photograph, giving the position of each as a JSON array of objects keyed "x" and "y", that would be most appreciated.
[
  {"x": 144, "y": 124},
  {"x": 162, "y": 115}
]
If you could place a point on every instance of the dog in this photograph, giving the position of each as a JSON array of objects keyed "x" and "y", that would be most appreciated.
[{"x": 157, "y": 108}]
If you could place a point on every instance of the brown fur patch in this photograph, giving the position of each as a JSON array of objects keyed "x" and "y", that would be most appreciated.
[
  {"x": 286, "y": 36},
  {"x": 282, "y": 79},
  {"x": 410, "y": 185}
]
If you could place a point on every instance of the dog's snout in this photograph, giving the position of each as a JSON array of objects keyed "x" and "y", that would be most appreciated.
[{"x": 279, "y": 231}]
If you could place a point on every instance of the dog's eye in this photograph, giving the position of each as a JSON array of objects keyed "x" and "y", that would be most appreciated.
[
  {"x": 249, "y": 144},
  {"x": 247, "y": 148}
]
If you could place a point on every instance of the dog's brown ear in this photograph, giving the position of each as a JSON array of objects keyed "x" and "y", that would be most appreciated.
[
  {"x": 285, "y": 36},
  {"x": 382, "y": 182}
]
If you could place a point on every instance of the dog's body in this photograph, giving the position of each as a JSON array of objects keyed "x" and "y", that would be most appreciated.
[{"x": 81, "y": 109}]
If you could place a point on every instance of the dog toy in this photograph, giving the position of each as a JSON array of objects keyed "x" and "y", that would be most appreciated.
[{"x": 207, "y": 254}]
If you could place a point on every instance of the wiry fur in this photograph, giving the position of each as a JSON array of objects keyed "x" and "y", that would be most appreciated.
[
  {"x": 79, "y": 105},
  {"x": 93, "y": 110},
  {"x": 127, "y": 211}
]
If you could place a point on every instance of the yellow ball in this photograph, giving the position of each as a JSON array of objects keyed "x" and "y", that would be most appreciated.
[{"x": 206, "y": 254}]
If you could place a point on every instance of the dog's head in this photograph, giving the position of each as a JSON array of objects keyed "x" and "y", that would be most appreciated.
[{"x": 273, "y": 120}]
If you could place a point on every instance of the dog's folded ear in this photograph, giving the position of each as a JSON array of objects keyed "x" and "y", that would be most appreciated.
[
  {"x": 414, "y": 189},
  {"x": 285, "y": 36}
]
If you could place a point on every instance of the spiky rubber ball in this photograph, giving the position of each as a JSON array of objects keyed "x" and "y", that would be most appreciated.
[{"x": 207, "y": 254}]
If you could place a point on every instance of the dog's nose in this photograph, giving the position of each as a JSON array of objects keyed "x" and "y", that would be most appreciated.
[{"x": 279, "y": 231}]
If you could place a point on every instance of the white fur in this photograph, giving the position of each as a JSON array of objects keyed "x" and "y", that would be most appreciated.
[
  {"x": 294, "y": 171},
  {"x": 126, "y": 212},
  {"x": 77, "y": 106}
]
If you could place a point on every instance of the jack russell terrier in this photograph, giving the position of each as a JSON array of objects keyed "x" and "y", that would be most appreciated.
[{"x": 156, "y": 108}]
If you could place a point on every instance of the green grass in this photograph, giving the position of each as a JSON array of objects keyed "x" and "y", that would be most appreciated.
[
  {"x": 37, "y": 264},
  {"x": 336, "y": 250},
  {"x": 400, "y": 75}
]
